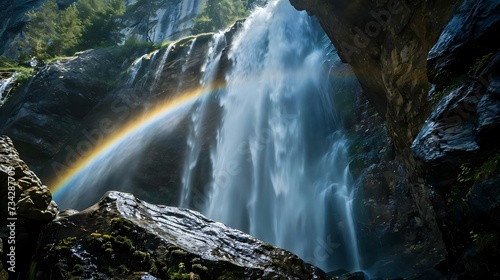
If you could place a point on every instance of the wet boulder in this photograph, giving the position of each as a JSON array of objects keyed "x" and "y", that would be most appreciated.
[{"x": 122, "y": 236}]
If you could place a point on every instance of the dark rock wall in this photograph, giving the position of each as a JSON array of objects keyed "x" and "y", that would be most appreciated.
[
  {"x": 13, "y": 19},
  {"x": 459, "y": 141},
  {"x": 386, "y": 43},
  {"x": 438, "y": 94}
]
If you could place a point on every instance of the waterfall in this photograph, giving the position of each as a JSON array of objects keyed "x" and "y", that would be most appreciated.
[
  {"x": 134, "y": 69},
  {"x": 194, "y": 138},
  {"x": 280, "y": 169},
  {"x": 159, "y": 68},
  {"x": 4, "y": 86},
  {"x": 269, "y": 144}
]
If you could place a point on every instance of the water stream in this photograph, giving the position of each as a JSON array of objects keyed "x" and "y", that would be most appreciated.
[
  {"x": 4, "y": 86},
  {"x": 280, "y": 169}
]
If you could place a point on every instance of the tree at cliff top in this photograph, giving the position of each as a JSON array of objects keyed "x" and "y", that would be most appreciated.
[
  {"x": 101, "y": 22},
  {"x": 218, "y": 14},
  {"x": 85, "y": 24},
  {"x": 51, "y": 32}
]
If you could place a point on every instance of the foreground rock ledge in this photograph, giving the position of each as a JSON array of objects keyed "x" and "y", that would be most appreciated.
[
  {"x": 26, "y": 205},
  {"x": 122, "y": 236}
]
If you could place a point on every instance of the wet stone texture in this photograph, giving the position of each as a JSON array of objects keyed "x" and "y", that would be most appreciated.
[
  {"x": 123, "y": 236},
  {"x": 458, "y": 144}
]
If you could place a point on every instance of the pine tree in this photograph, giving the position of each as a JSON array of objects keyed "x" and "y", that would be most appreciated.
[
  {"x": 100, "y": 20},
  {"x": 41, "y": 30},
  {"x": 69, "y": 29},
  {"x": 218, "y": 14}
]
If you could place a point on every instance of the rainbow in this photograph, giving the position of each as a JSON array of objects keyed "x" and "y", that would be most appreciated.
[
  {"x": 63, "y": 182},
  {"x": 107, "y": 145}
]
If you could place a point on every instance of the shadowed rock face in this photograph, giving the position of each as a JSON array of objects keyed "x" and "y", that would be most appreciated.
[
  {"x": 386, "y": 43},
  {"x": 458, "y": 144},
  {"x": 122, "y": 235},
  {"x": 464, "y": 66},
  {"x": 12, "y": 21},
  {"x": 444, "y": 133},
  {"x": 30, "y": 204}
]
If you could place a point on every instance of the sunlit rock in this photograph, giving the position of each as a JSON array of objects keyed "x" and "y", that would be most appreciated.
[{"x": 121, "y": 236}]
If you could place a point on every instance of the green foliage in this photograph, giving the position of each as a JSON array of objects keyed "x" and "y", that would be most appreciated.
[
  {"x": 100, "y": 19},
  {"x": 219, "y": 14},
  {"x": 85, "y": 24},
  {"x": 480, "y": 62},
  {"x": 41, "y": 29},
  {"x": 11, "y": 67},
  {"x": 179, "y": 272},
  {"x": 465, "y": 174},
  {"x": 486, "y": 242},
  {"x": 488, "y": 169},
  {"x": 52, "y": 32},
  {"x": 470, "y": 177},
  {"x": 453, "y": 84}
]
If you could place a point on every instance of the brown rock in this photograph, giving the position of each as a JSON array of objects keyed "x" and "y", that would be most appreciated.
[{"x": 25, "y": 199}]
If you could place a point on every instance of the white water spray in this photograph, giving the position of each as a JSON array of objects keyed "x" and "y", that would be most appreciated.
[{"x": 280, "y": 169}]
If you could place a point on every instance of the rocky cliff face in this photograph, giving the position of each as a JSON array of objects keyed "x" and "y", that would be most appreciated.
[
  {"x": 160, "y": 20},
  {"x": 458, "y": 143},
  {"x": 12, "y": 21},
  {"x": 386, "y": 43},
  {"x": 437, "y": 92},
  {"x": 27, "y": 206}
]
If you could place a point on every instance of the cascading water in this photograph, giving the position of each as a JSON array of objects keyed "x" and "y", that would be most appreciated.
[
  {"x": 159, "y": 69},
  {"x": 194, "y": 139},
  {"x": 280, "y": 169},
  {"x": 278, "y": 165},
  {"x": 4, "y": 85}
]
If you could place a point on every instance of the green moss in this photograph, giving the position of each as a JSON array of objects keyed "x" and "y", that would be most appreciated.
[
  {"x": 179, "y": 252},
  {"x": 123, "y": 269},
  {"x": 199, "y": 267},
  {"x": 453, "y": 84},
  {"x": 486, "y": 242},
  {"x": 469, "y": 177},
  {"x": 78, "y": 268},
  {"x": 478, "y": 65},
  {"x": 95, "y": 235},
  {"x": 66, "y": 243},
  {"x": 143, "y": 256},
  {"x": 489, "y": 169}
]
